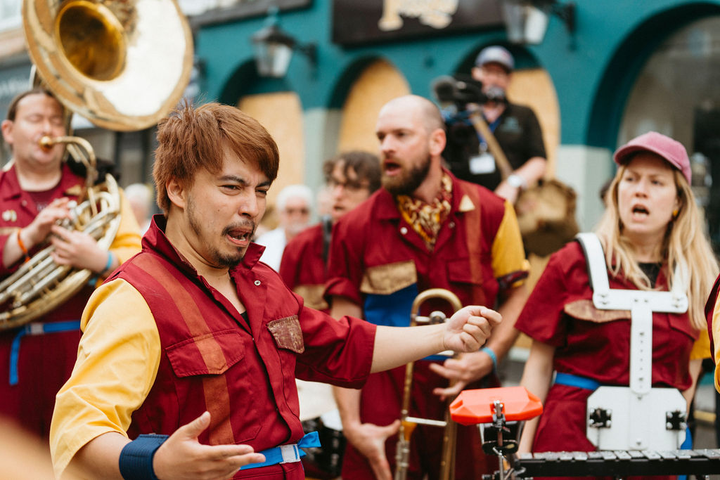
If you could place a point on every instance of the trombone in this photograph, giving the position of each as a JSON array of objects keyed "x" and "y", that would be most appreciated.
[{"x": 407, "y": 423}]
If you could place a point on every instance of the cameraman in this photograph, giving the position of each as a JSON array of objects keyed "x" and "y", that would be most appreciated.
[{"x": 515, "y": 127}]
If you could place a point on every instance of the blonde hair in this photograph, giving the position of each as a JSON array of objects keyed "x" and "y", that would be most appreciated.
[{"x": 685, "y": 245}]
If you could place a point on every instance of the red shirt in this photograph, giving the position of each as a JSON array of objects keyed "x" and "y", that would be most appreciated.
[
  {"x": 303, "y": 267},
  {"x": 590, "y": 347},
  {"x": 242, "y": 372},
  {"x": 380, "y": 262},
  {"x": 375, "y": 252},
  {"x": 17, "y": 207},
  {"x": 709, "y": 313}
]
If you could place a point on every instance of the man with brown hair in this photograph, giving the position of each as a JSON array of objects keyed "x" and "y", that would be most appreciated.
[
  {"x": 36, "y": 191},
  {"x": 196, "y": 340},
  {"x": 351, "y": 178}
]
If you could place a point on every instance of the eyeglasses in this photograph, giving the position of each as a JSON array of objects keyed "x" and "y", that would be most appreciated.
[
  {"x": 350, "y": 186},
  {"x": 301, "y": 211}
]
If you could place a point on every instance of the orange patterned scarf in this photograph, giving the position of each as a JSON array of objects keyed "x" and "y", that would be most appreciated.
[{"x": 426, "y": 219}]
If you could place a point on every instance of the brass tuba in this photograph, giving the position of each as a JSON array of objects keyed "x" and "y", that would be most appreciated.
[
  {"x": 407, "y": 423},
  {"x": 40, "y": 285},
  {"x": 122, "y": 64}
]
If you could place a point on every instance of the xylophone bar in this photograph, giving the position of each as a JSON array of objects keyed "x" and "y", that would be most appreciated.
[{"x": 618, "y": 463}]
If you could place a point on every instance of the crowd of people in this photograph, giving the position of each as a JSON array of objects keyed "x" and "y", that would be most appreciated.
[{"x": 179, "y": 359}]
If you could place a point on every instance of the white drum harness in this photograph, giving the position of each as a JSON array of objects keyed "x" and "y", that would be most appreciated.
[{"x": 637, "y": 417}]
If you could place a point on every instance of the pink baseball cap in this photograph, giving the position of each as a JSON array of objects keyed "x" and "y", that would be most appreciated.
[{"x": 671, "y": 150}]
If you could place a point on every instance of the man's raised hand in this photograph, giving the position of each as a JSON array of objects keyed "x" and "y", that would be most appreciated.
[{"x": 469, "y": 328}]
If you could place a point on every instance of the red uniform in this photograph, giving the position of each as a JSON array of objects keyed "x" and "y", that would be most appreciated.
[
  {"x": 41, "y": 363},
  {"x": 594, "y": 344},
  {"x": 380, "y": 262},
  {"x": 243, "y": 372},
  {"x": 709, "y": 313},
  {"x": 303, "y": 267}
]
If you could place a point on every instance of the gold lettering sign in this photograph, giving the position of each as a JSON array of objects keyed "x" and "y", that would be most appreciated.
[{"x": 434, "y": 13}]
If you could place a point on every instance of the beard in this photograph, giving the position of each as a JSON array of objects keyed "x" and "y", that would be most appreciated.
[
  {"x": 217, "y": 257},
  {"x": 408, "y": 181}
]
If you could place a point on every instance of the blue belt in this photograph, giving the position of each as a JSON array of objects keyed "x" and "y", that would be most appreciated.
[
  {"x": 286, "y": 453},
  {"x": 571, "y": 380},
  {"x": 36, "y": 329}
]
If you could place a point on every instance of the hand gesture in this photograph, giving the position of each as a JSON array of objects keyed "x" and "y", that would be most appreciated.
[
  {"x": 465, "y": 369},
  {"x": 469, "y": 328},
  {"x": 40, "y": 227},
  {"x": 77, "y": 249},
  {"x": 369, "y": 440},
  {"x": 183, "y": 457}
]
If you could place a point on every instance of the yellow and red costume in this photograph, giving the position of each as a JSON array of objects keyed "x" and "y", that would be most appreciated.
[
  {"x": 382, "y": 262},
  {"x": 171, "y": 347},
  {"x": 36, "y": 359}
]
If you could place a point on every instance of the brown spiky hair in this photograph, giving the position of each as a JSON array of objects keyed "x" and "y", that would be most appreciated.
[{"x": 198, "y": 137}]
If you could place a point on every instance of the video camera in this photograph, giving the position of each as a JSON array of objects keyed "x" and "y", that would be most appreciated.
[{"x": 463, "y": 89}]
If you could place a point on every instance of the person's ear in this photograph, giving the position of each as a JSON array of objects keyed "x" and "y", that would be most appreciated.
[
  {"x": 438, "y": 139},
  {"x": 176, "y": 192},
  {"x": 7, "y": 131}
]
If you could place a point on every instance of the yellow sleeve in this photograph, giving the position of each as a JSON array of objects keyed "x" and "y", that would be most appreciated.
[
  {"x": 716, "y": 341},
  {"x": 128, "y": 237},
  {"x": 118, "y": 360},
  {"x": 701, "y": 347},
  {"x": 508, "y": 253}
]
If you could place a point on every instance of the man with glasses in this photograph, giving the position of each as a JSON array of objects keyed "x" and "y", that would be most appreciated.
[{"x": 351, "y": 178}]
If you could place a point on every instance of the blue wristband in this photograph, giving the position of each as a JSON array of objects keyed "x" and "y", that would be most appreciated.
[
  {"x": 492, "y": 355},
  {"x": 136, "y": 458},
  {"x": 109, "y": 262}
]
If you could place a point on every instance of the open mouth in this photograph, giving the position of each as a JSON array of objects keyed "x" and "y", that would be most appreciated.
[
  {"x": 639, "y": 210},
  {"x": 240, "y": 235},
  {"x": 390, "y": 167}
]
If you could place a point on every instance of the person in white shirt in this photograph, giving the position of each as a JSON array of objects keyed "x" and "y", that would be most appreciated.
[{"x": 294, "y": 204}]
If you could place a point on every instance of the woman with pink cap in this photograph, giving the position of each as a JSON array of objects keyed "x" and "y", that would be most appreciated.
[{"x": 635, "y": 288}]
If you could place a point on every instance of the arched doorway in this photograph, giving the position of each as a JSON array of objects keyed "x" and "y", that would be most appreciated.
[
  {"x": 378, "y": 83},
  {"x": 676, "y": 94}
]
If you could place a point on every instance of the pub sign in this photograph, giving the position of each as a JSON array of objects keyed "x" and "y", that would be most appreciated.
[{"x": 356, "y": 22}]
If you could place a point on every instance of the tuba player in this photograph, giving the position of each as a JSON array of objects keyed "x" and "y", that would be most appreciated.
[{"x": 35, "y": 191}]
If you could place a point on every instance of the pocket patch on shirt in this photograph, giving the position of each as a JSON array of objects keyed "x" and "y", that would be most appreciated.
[
  {"x": 389, "y": 278},
  {"x": 287, "y": 333},
  {"x": 585, "y": 310}
]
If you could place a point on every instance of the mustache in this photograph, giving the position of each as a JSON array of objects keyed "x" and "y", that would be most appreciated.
[{"x": 243, "y": 225}]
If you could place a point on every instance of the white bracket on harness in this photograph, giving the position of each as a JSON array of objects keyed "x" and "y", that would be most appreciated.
[{"x": 631, "y": 411}]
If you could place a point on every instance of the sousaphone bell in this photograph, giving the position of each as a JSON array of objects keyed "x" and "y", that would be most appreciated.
[{"x": 122, "y": 64}]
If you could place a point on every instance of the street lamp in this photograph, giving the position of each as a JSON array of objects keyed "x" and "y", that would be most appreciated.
[
  {"x": 526, "y": 20},
  {"x": 274, "y": 48}
]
